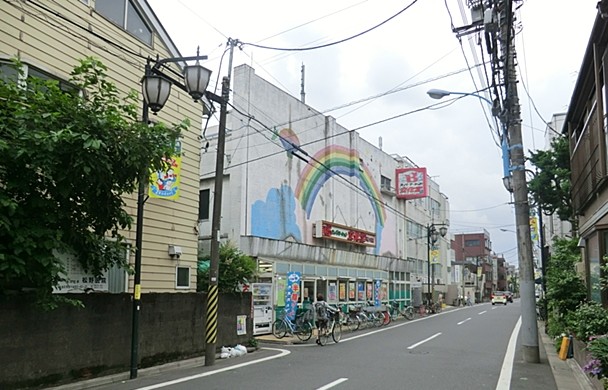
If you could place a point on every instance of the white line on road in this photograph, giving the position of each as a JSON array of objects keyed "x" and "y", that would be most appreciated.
[
  {"x": 463, "y": 321},
  {"x": 332, "y": 384},
  {"x": 192, "y": 377},
  {"x": 482, "y": 312},
  {"x": 423, "y": 341},
  {"x": 504, "y": 381}
]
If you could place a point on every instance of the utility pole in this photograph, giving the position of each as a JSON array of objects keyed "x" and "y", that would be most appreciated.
[
  {"x": 211, "y": 328},
  {"x": 529, "y": 327}
]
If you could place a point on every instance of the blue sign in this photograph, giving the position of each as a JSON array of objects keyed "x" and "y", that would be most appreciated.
[
  {"x": 377, "y": 285},
  {"x": 292, "y": 294}
]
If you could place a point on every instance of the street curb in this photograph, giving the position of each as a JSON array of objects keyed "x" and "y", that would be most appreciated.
[
  {"x": 125, "y": 376},
  {"x": 567, "y": 373}
]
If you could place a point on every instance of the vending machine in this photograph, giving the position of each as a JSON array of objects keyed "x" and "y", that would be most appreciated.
[{"x": 262, "y": 308}]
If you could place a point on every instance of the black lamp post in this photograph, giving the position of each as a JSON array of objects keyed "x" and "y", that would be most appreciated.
[
  {"x": 432, "y": 236},
  {"x": 156, "y": 88}
]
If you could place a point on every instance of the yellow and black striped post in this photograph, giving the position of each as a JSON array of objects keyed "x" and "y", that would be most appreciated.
[{"x": 211, "y": 324}]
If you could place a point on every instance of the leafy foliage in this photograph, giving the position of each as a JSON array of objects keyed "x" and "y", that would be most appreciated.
[
  {"x": 589, "y": 319},
  {"x": 234, "y": 268},
  {"x": 598, "y": 366},
  {"x": 551, "y": 185},
  {"x": 565, "y": 289},
  {"x": 68, "y": 158}
]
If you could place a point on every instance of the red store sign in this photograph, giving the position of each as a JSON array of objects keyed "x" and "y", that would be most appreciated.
[{"x": 333, "y": 231}]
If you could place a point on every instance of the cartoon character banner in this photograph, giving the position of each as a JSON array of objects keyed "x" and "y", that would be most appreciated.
[
  {"x": 292, "y": 294},
  {"x": 164, "y": 183}
]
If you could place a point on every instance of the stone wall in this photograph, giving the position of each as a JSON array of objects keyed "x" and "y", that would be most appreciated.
[{"x": 69, "y": 343}]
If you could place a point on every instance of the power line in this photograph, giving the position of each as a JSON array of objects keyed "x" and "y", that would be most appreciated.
[{"x": 336, "y": 42}]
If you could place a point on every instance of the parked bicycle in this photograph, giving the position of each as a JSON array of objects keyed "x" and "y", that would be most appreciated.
[
  {"x": 351, "y": 320},
  {"x": 332, "y": 327},
  {"x": 301, "y": 328},
  {"x": 395, "y": 310}
]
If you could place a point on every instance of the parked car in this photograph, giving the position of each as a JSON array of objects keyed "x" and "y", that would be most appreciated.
[
  {"x": 499, "y": 297},
  {"x": 509, "y": 295}
]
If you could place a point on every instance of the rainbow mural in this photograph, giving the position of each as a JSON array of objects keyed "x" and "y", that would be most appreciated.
[
  {"x": 337, "y": 160},
  {"x": 289, "y": 140}
]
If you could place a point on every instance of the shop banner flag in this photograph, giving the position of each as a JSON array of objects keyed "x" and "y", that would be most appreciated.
[{"x": 292, "y": 294}]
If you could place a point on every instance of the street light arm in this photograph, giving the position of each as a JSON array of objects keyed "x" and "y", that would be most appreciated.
[
  {"x": 440, "y": 93},
  {"x": 158, "y": 62}
]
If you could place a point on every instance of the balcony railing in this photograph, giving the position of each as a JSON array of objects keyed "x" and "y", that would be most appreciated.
[{"x": 587, "y": 164}]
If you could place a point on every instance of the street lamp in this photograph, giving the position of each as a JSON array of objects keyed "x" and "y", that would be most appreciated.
[
  {"x": 156, "y": 88},
  {"x": 514, "y": 164},
  {"x": 432, "y": 236}
]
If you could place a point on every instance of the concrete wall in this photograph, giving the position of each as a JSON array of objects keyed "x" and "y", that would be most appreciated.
[{"x": 72, "y": 343}]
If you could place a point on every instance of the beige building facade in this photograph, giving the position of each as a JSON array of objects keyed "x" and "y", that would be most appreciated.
[{"x": 50, "y": 38}]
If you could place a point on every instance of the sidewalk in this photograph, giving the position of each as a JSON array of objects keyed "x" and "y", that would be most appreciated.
[{"x": 567, "y": 373}]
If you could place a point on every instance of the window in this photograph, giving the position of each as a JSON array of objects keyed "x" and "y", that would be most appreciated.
[
  {"x": 182, "y": 277},
  {"x": 10, "y": 73},
  {"x": 385, "y": 183},
  {"x": 203, "y": 204},
  {"x": 124, "y": 14},
  {"x": 470, "y": 243}
]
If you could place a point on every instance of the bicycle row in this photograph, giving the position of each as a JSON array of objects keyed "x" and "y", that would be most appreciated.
[{"x": 355, "y": 317}]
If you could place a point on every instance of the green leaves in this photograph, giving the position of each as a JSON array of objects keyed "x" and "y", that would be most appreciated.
[
  {"x": 234, "y": 268},
  {"x": 551, "y": 185},
  {"x": 69, "y": 157}
]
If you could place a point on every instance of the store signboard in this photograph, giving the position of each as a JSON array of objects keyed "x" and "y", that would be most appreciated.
[
  {"x": 411, "y": 183},
  {"x": 334, "y": 231}
]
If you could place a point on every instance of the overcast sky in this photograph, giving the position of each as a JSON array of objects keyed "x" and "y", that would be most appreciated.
[{"x": 411, "y": 53}]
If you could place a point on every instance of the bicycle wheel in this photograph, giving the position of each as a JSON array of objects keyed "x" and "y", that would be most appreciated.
[
  {"x": 336, "y": 332},
  {"x": 354, "y": 323},
  {"x": 377, "y": 319},
  {"x": 408, "y": 313},
  {"x": 438, "y": 308},
  {"x": 323, "y": 335},
  {"x": 387, "y": 317},
  {"x": 363, "y": 320},
  {"x": 279, "y": 329},
  {"x": 304, "y": 331}
]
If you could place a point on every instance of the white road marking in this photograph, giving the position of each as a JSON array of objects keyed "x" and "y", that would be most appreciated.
[
  {"x": 284, "y": 352},
  {"x": 504, "y": 381},
  {"x": 332, "y": 384},
  {"x": 463, "y": 321},
  {"x": 482, "y": 312},
  {"x": 424, "y": 341}
]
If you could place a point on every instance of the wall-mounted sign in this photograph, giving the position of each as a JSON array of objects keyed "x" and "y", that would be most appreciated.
[
  {"x": 333, "y": 231},
  {"x": 411, "y": 183}
]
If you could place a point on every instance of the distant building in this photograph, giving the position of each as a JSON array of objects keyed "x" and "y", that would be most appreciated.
[{"x": 474, "y": 251}]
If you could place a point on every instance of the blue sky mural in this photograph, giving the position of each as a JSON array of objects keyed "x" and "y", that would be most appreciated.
[{"x": 275, "y": 218}]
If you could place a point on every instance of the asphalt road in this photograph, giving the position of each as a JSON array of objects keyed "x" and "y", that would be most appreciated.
[{"x": 463, "y": 348}]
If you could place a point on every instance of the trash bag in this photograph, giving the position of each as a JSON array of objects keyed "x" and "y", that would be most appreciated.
[
  {"x": 225, "y": 352},
  {"x": 241, "y": 350}
]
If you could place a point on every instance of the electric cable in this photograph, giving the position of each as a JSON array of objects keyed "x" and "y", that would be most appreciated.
[{"x": 336, "y": 42}]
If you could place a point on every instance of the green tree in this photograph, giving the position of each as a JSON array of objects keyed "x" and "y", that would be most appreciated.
[
  {"x": 68, "y": 159},
  {"x": 565, "y": 289},
  {"x": 551, "y": 185},
  {"x": 235, "y": 267}
]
